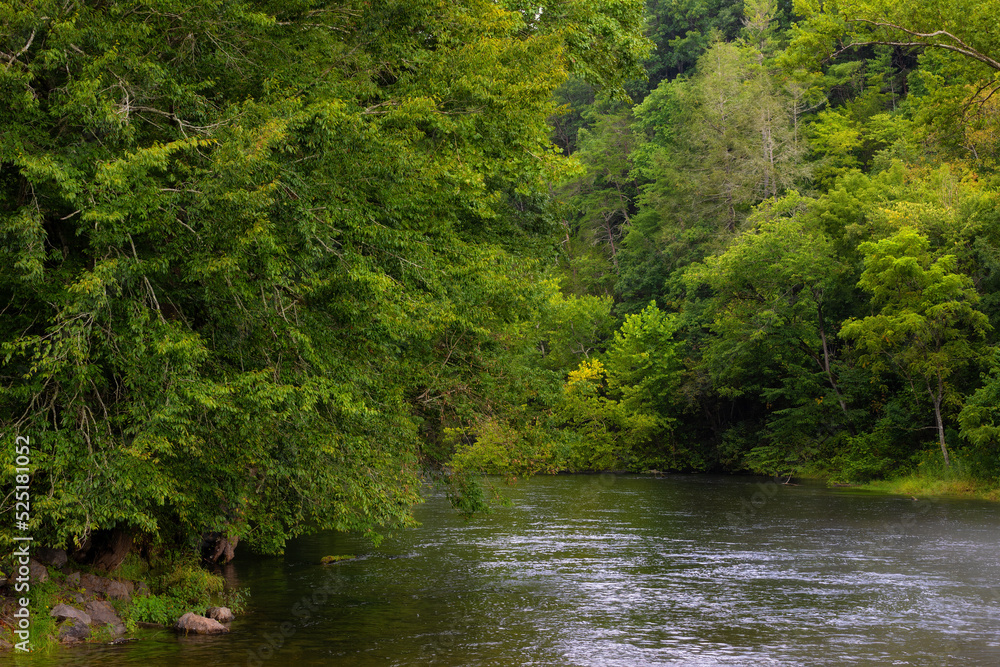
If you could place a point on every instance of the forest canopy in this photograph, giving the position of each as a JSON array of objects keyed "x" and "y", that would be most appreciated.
[
  {"x": 269, "y": 267},
  {"x": 812, "y": 200},
  {"x": 257, "y": 253}
]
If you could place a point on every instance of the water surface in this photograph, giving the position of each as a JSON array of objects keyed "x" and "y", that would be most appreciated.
[{"x": 625, "y": 570}]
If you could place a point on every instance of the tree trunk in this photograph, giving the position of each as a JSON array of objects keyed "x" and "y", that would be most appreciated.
[
  {"x": 940, "y": 422},
  {"x": 113, "y": 550},
  {"x": 829, "y": 372}
]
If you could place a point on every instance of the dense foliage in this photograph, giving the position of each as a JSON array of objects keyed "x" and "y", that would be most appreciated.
[
  {"x": 259, "y": 256},
  {"x": 266, "y": 264},
  {"x": 813, "y": 205}
]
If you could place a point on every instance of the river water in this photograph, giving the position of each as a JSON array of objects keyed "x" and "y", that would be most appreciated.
[{"x": 624, "y": 570}]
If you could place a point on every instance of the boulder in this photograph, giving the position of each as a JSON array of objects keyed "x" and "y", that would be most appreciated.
[
  {"x": 54, "y": 557},
  {"x": 39, "y": 575},
  {"x": 191, "y": 623},
  {"x": 62, "y": 612},
  {"x": 141, "y": 589},
  {"x": 73, "y": 579},
  {"x": 93, "y": 584},
  {"x": 102, "y": 613},
  {"x": 109, "y": 588},
  {"x": 118, "y": 590},
  {"x": 73, "y": 630},
  {"x": 220, "y": 614}
]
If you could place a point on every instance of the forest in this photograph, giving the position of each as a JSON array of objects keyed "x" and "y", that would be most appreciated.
[{"x": 270, "y": 267}]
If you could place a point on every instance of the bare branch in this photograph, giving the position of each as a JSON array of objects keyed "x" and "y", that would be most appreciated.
[
  {"x": 958, "y": 47},
  {"x": 24, "y": 49}
]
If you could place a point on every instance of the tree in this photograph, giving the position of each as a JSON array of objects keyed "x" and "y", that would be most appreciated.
[
  {"x": 980, "y": 416},
  {"x": 772, "y": 333},
  {"x": 965, "y": 27},
  {"x": 683, "y": 30},
  {"x": 253, "y": 250},
  {"x": 927, "y": 327},
  {"x": 770, "y": 288},
  {"x": 624, "y": 404},
  {"x": 603, "y": 199},
  {"x": 731, "y": 144}
]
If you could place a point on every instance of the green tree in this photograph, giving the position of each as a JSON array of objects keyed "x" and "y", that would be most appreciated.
[
  {"x": 683, "y": 29},
  {"x": 731, "y": 144},
  {"x": 928, "y": 325},
  {"x": 965, "y": 27},
  {"x": 773, "y": 339},
  {"x": 770, "y": 288},
  {"x": 624, "y": 405},
  {"x": 254, "y": 251},
  {"x": 602, "y": 201},
  {"x": 980, "y": 417}
]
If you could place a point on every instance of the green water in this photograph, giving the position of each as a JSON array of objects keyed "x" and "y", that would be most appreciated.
[{"x": 625, "y": 570}]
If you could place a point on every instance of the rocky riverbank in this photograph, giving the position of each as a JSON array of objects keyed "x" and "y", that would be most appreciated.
[{"x": 72, "y": 605}]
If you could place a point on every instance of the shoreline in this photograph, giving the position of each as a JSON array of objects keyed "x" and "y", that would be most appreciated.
[{"x": 73, "y": 604}]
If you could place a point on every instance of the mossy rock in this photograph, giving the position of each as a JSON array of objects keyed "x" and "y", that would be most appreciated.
[{"x": 326, "y": 560}]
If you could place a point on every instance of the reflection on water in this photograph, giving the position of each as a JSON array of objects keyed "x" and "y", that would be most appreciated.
[{"x": 626, "y": 570}]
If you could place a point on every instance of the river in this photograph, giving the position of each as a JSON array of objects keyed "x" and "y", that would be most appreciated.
[{"x": 624, "y": 570}]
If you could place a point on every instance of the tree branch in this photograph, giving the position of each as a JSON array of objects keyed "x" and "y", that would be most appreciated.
[{"x": 959, "y": 46}]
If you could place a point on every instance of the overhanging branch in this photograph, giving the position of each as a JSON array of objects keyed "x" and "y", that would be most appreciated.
[{"x": 958, "y": 47}]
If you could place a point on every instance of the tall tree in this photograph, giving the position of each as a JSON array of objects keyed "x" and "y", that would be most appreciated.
[
  {"x": 928, "y": 326},
  {"x": 253, "y": 249},
  {"x": 731, "y": 143}
]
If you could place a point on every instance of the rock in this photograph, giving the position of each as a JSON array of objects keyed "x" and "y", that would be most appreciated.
[
  {"x": 141, "y": 589},
  {"x": 62, "y": 612},
  {"x": 118, "y": 590},
  {"x": 73, "y": 579},
  {"x": 102, "y": 613},
  {"x": 39, "y": 575},
  {"x": 54, "y": 557},
  {"x": 6, "y": 645},
  {"x": 220, "y": 614},
  {"x": 93, "y": 584},
  {"x": 191, "y": 623},
  {"x": 109, "y": 588},
  {"x": 73, "y": 630}
]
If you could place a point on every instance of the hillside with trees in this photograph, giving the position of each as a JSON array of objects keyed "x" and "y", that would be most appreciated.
[{"x": 812, "y": 206}]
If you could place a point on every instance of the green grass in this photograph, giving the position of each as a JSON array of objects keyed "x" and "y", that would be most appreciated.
[
  {"x": 43, "y": 627},
  {"x": 922, "y": 485},
  {"x": 931, "y": 478}
]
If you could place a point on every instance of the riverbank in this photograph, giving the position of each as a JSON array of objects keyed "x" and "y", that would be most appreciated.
[
  {"x": 930, "y": 478},
  {"x": 72, "y": 603},
  {"x": 929, "y": 486}
]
